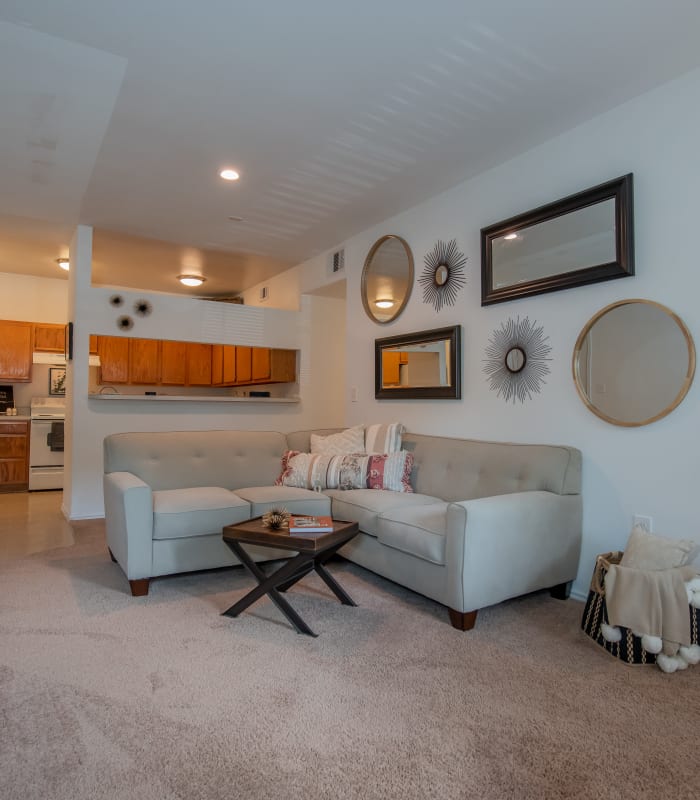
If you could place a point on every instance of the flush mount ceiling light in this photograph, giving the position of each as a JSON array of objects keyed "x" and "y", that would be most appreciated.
[
  {"x": 63, "y": 263},
  {"x": 191, "y": 280},
  {"x": 384, "y": 303},
  {"x": 229, "y": 174}
]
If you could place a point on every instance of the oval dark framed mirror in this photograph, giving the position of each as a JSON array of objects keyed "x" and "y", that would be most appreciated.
[
  {"x": 633, "y": 362},
  {"x": 387, "y": 279}
]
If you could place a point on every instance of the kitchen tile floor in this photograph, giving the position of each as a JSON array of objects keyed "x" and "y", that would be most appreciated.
[{"x": 32, "y": 522}]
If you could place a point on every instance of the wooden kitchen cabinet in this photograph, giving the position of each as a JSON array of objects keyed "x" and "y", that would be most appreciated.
[
  {"x": 16, "y": 341},
  {"x": 244, "y": 364},
  {"x": 198, "y": 364},
  {"x": 14, "y": 456},
  {"x": 261, "y": 365},
  {"x": 144, "y": 361},
  {"x": 223, "y": 365},
  {"x": 173, "y": 363},
  {"x": 283, "y": 366},
  {"x": 49, "y": 338},
  {"x": 114, "y": 359}
]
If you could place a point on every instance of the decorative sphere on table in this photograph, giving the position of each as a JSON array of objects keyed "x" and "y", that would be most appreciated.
[{"x": 276, "y": 519}]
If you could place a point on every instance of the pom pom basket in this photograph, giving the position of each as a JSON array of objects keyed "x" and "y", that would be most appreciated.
[{"x": 629, "y": 649}]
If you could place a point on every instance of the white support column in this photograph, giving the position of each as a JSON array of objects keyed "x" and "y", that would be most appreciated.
[{"x": 79, "y": 282}]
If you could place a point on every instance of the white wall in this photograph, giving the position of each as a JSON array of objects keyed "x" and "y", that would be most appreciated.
[
  {"x": 31, "y": 299},
  {"x": 651, "y": 470}
]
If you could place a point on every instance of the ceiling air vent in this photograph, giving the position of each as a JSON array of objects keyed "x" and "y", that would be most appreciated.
[{"x": 338, "y": 261}]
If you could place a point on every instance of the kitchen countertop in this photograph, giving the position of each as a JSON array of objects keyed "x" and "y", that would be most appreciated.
[
  {"x": 150, "y": 398},
  {"x": 18, "y": 418}
]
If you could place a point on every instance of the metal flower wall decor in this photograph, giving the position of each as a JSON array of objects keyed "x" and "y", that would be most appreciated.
[
  {"x": 443, "y": 275},
  {"x": 516, "y": 359}
]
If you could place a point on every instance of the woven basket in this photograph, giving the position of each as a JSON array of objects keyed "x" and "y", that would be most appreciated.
[{"x": 629, "y": 649}]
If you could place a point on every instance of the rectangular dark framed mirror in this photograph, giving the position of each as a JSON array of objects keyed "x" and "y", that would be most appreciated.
[
  {"x": 584, "y": 238},
  {"x": 422, "y": 365}
]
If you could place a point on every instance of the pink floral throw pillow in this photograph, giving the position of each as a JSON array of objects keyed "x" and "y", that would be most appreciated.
[{"x": 390, "y": 471}]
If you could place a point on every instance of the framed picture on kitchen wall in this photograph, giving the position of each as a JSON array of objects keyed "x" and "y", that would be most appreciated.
[{"x": 57, "y": 381}]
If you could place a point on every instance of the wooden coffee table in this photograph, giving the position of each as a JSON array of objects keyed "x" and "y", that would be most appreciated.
[{"x": 312, "y": 554}]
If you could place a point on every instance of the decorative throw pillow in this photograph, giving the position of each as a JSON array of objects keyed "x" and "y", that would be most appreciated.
[
  {"x": 647, "y": 551},
  {"x": 357, "y": 471},
  {"x": 351, "y": 440},
  {"x": 311, "y": 470},
  {"x": 383, "y": 438},
  {"x": 390, "y": 471}
]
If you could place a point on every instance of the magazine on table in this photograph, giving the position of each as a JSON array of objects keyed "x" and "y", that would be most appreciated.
[{"x": 310, "y": 524}]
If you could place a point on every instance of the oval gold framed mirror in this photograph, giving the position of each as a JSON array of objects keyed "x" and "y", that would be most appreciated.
[
  {"x": 633, "y": 362},
  {"x": 387, "y": 279}
]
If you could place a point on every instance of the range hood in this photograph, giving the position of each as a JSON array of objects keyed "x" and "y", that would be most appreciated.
[{"x": 59, "y": 360}]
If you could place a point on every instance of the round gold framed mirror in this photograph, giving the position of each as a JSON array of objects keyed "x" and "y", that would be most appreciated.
[
  {"x": 387, "y": 279},
  {"x": 633, "y": 362}
]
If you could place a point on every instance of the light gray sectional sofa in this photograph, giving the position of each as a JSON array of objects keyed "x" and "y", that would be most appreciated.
[{"x": 487, "y": 521}]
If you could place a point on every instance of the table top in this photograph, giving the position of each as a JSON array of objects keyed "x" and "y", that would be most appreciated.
[{"x": 254, "y": 532}]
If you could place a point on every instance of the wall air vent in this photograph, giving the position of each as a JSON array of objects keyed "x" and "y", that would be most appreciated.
[
  {"x": 264, "y": 293},
  {"x": 338, "y": 261}
]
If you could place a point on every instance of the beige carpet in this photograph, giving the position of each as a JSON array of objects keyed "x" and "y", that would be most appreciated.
[{"x": 108, "y": 696}]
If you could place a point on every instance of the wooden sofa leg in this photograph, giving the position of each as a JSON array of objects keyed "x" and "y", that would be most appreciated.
[
  {"x": 561, "y": 591},
  {"x": 463, "y": 620},
  {"x": 139, "y": 588}
]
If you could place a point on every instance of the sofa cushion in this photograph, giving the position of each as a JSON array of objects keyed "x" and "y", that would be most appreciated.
[
  {"x": 419, "y": 531},
  {"x": 363, "y": 505},
  {"x": 351, "y": 440},
  {"x": 296, "y": 501},
  {"x": 196, "y": 512}
]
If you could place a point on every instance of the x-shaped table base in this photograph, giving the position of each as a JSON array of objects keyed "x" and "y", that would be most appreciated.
[{"x": 284, "y": 578}]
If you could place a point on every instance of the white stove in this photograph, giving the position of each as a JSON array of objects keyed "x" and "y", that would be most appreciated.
[{"x": 46, "y": 443}]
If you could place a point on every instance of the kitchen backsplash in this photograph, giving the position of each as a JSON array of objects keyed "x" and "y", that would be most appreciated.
[{"x": 39, "y": 387}]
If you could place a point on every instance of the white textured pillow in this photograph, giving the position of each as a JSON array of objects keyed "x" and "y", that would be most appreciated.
[
  {"x": 347, "y": 442},
  {"x": 383, "y": 438},
  {"x": 647, "y": 551}
]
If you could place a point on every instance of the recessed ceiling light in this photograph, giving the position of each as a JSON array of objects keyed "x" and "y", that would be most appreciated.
[
  {"x": 384, "y": 303},
  {"x": 229, "y": 174},
  {"x": 63, "y": 263},
  {"x": 191, "y": 280}
]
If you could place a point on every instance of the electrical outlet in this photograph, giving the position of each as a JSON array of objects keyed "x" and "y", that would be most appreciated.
[{"x": 645, "y": 523}]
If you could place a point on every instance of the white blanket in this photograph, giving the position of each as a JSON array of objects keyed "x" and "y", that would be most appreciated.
[{"x": 652, "y": 602}]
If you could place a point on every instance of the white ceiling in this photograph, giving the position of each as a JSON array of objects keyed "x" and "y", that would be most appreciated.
[{"x": 338, "y": 115}]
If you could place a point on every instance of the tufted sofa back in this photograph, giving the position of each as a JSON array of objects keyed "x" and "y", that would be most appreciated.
[
  {"x": 463, "y": 469},
  {"x": 181, "y": 459}
]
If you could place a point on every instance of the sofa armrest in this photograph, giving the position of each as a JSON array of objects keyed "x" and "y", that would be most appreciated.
[
  {"x": 129, "y": 523},
  {"x": 504, "y": 546}
]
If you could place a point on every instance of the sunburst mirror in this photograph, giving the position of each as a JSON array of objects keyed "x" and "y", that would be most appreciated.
[
  {"x": 443, "y": 274},
  {"x": 516, "y": 359}
]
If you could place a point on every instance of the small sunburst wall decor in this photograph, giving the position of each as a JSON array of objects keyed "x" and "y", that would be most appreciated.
[
  {"x": 443, "y": 275},
  {"x": 516, "y": 359}
]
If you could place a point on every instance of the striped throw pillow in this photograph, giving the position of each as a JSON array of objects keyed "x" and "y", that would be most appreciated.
[
  {"x": 383, "y": 438},
  {"x": 391, "y": 471}
]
